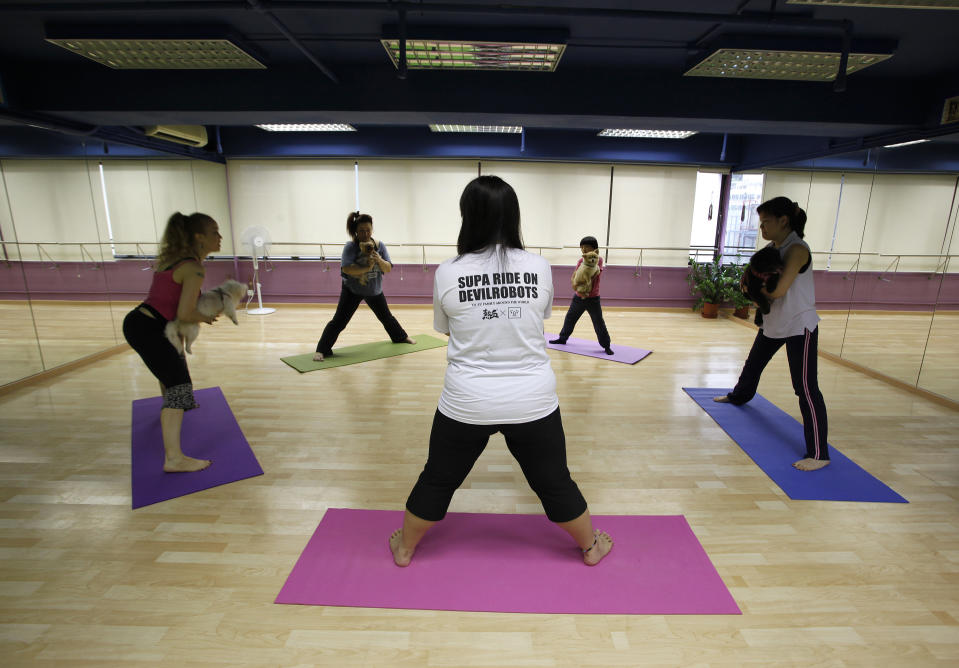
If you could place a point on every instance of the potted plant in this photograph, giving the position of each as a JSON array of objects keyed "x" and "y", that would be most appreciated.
[
  {"x": 740, "y": 301},
  {"x": 713, "y": 282}
]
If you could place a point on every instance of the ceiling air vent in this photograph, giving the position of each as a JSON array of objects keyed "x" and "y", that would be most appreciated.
[{"x": 191, "y": 135}]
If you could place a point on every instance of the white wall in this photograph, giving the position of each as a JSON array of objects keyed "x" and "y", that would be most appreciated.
[
  {"x": 413, "y": 201},
  {"x": 559, "y": 204},
  {"x": 652, "y": 207},
  {"x": 416, "y": 202},
  {"x": 52, "y": 201},
  {"x": 10, "y": 251},
  {"x": 908, "y": 215},
  {"x": 880, "y": 214},
  {"x": 62, "y": 201},
  {"x": 296, "y": 200}
]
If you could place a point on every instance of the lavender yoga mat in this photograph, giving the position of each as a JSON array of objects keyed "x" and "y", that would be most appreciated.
[
  {"x": 209, "y": 432},
  {"x": 773, "y": 439},
  {"x": 508, "y": 563},
  {"x": 621, "y": 353}
]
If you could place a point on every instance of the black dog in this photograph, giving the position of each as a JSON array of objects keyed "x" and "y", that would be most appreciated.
[{"x": 763, "y": 271}]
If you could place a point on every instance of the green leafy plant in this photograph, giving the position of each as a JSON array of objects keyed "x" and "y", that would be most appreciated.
[
  {"x": 736, "y": 295},
  {"x": 713, "y": 282}
]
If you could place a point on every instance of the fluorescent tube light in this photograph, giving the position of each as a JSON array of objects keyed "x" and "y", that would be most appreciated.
[
  {"x": 307, "y": 127},
  {"x": 161, "y": 54},
  {"x": 505, "y": 129},
  {"x": 906, "y": 143},
  {"x": 435, "y": 54},
  {"x": 648, "y": 134}
]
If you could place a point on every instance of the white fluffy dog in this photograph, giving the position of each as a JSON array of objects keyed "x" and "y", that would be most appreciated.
[{"x": 221, "y": 299}]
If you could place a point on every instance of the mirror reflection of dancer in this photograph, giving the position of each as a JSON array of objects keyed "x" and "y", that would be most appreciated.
[
  {"x": 362, "y": 282},
  {"x": 498, "y": 377},
  {"x": 587, "y": 302},
  {"x": 792, "y": 321},
  {"x": 174, "y": 292}
]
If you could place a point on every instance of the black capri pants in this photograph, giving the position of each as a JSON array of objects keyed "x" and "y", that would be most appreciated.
[
  {"x": 346, "y": 307},
  {"x": 538, "y": 446},
  {"x": 595, "y": 310},
  {"x": 145, "y": 335},
  {"x": 802, "y": 353}
]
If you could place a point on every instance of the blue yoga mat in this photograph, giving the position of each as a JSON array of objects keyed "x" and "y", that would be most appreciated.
[{"x": 774, "y": 440}]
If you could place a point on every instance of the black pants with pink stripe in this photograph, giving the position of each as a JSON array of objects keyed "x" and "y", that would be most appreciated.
[{"x": 802, "y": 353}]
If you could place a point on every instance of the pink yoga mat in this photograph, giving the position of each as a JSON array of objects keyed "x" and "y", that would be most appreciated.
[
  {"x": 508, "y": 563},
  {"x": 621, "y": 353}
]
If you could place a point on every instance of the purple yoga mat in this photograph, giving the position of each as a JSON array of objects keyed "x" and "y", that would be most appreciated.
[
  {"x": 209, "y": 432},
  {"x": 621, "y": 353},
  {"x": 508, "y": 563}
]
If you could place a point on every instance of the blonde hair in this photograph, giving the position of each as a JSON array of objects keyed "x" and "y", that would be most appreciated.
[{"x": 179, "y": 238}]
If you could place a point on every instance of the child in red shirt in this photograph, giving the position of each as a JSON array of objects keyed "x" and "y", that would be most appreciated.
[{"x": 588, "y": 302}]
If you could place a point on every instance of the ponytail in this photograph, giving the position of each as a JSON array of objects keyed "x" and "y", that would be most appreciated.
[
  {"x": 353, "y": 221},
  {"x": 783, "y": 206},
  {"x": 179, "y": 238}
]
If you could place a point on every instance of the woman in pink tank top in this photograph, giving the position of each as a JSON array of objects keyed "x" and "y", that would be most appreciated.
[{"x": 174, "y": 292}]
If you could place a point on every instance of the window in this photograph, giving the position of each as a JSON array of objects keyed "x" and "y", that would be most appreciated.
[
  {"x": 742, "y": 221},
  {"x": 702, "y": 236}
]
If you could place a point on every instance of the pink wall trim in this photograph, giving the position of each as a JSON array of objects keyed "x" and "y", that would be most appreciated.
[{"x": 305, "y": 281}]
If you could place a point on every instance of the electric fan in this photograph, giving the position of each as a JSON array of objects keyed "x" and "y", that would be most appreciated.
[{"x": 258, "y": 240}]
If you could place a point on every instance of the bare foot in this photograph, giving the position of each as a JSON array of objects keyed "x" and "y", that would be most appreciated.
[
  {"x": 721, "y": 400},
  {"x": 317, "y": 357},
  {"x": 401, "y": 556},
  {"x": 409, "y": 340},
  {"x": 810, "y": 464},
  {"x": 600, "y": 548},
  {"x": 184, "y": 464}
]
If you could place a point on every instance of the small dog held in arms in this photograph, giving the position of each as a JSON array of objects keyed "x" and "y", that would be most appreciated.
[
  {"x": 585, "y": 273},
  {"x": 221, "y": 299},
  {"x": 366, "y": 247},
  {"x": 763, "y": 271}
]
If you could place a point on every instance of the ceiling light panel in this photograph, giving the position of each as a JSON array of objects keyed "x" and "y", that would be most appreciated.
[
  {"x": 162, "y": 54},
  {"x": 648, "y": 134},
  {"x": 782, "y": 65},
  {"x": 906, "y": 143},
  {"x": 422, "y": 54},
  {"x": 892, "y": 4},
  {"x": 307, "y": 127},
  {"x": 501, "y": 129}
]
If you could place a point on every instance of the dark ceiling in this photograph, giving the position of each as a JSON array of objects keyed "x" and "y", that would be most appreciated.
[{"x": 623, "y": 67}]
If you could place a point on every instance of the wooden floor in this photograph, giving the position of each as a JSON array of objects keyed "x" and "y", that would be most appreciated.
[
  {"x": 86, "y": 581},
  {"x": 912, "y": 347}
]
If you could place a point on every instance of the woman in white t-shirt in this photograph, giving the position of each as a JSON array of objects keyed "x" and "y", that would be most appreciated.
[
  {"x": 492, "y": 300},
  {"x": 792, "y": 321}
]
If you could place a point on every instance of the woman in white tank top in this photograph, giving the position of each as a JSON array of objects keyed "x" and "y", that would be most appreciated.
[{"x": 792, "y": 321}]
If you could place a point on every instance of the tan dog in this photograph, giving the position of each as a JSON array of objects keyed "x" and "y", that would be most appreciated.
[
  {"x": 222, "y": 299},
  {"x": 585, "y": 273},
  {"x": 365, "y": 258}
]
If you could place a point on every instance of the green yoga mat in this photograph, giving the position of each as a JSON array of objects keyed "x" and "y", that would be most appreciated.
[{"x": 363, "y": 353}]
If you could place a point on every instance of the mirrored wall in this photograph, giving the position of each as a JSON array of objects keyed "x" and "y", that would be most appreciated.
[
  {"x": 78, "y": 236},
  {"x": 71, "y": 233},
  {"x": 885, "y": 254}
]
